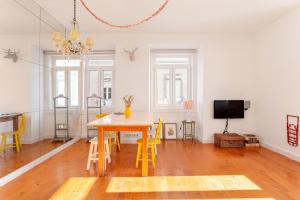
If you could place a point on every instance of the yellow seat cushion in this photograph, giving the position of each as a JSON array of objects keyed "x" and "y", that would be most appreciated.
[{"x": 98, "y": 116}]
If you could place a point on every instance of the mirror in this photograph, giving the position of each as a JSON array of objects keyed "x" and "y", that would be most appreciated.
[{"x": 25, "y": 84}]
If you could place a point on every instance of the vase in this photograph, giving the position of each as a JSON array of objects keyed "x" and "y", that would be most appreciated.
[{"x": 127, "y": 111}]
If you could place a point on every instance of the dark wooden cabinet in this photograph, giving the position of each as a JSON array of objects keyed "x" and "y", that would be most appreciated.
[{"x": 229, "y": 140}]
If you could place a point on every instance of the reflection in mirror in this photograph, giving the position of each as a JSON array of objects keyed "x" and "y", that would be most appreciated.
[{"x": 26, "y": 106}]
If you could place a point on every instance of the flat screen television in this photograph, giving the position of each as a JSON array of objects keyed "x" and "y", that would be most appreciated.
[{"x": 224, "y": 109}]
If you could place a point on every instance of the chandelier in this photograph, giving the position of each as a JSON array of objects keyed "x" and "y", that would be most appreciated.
[{"x": 73, "y": 45}]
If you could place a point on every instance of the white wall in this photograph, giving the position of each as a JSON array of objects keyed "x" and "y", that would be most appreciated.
[
  {"x": 225, "y": 61},
  {"x": 224, "y": 71},
  {"x": 277, "y": 81}
]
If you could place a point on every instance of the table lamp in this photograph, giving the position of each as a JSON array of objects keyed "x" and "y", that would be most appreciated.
[{"x": 188, "y": 105}]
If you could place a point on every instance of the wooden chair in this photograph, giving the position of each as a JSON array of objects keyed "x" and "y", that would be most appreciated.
[
  {"x": 112, "y": 136},
  {"x": 152, "y": 142},
  {"x": 16, "y": 136},
  {"x": 93, "y": 153}
]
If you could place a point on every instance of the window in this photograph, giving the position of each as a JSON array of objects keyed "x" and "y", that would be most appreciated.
[
  {"x": 74, "y": 88},
  {"x": 67, "y": 73},
  {"x": 100, "y": 79},
  {"x": 172, "y": 80}
]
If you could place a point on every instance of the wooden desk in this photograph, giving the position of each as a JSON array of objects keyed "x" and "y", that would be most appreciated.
[
  {"x": 14, "y": 117},
  {"x": 139, "y": 122}
]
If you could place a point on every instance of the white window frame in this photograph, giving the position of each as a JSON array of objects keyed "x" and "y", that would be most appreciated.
[
  {"x": 67, "y": 70},
  {"x": 100, "y": 70},
  {"x": 172, "y": 68}
]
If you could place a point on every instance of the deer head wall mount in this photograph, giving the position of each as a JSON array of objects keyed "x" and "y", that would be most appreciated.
[
  {"x": 11, "y": 54},
  {"x": 131, "y": 53}
]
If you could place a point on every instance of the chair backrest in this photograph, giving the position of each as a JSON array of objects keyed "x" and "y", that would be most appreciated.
[
  {"x": 100, "y": 115},
  {"x": 22, "y": 126},
  {"x": 158, "y": 131}
]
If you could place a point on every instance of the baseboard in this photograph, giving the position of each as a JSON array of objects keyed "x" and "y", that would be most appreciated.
[
  {"x": 11, "y": 176},
  {"x": 281, "y": 151},
  {"x": 33, "y": 140},
  {"x": 207, "y": 141}
]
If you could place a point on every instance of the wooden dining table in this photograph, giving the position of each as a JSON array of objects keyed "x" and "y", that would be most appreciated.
[
  {"x": 14, "y": 117},
  {"x": 137, "y": 122}
]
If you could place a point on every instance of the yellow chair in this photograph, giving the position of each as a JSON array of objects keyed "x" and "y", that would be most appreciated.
[
  {"x": 152, "y": 142},
  {"x": 16, "y": 135},
  {"x": 110, "y": 134}
]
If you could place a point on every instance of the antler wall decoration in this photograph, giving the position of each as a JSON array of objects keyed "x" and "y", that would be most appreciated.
[
  {"x": 131, "y": 53},
  {"x": 11, "y": 54}
]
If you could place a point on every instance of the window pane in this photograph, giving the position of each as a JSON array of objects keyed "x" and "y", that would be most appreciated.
[
  {"x": 107, "y": 87},
  {"x": 172, "y": 60},
  {"x": 181, "y": 86},
  {"x": 60, "y": 87},
  {"x": 67, "y": 63},
  {"x": 74, "y": 88},
  {"x": 163, "y": 86},
  {"x": 94, "y": 83},
  {"x": 101, "y": 63}
]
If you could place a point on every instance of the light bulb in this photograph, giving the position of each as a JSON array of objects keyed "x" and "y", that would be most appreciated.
[
  {"x": 74, "y": 34},
  {"x": 89, "y": 42},
  {"x": 56, "y": 37}
]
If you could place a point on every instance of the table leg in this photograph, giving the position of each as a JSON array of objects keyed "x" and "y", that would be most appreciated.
[
  {"x": 15, "y": 128},
  {"x": 119, "y": 138},
  {"x": 101, "y": 151},
  {"x": 145, "y": 153},
  {"x": 16, "y": 123}
]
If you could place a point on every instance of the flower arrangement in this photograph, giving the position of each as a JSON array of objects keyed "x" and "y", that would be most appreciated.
[{"x": 128, "y": 100}]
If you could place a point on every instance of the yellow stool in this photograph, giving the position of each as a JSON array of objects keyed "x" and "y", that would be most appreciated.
[
  {"x": 16, "y": 135},
  {"x": 110, "y": 134},
  {"x": 152, "y": 142}
]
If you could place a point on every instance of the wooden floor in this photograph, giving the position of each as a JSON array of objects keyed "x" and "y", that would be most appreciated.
[
  {"x": 277, "y": 176},
  {"x": 10, "y": 160}
]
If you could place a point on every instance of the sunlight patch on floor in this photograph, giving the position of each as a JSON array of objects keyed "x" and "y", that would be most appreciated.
[
  {"x": 181, "y": 183},
  {"x": 76, "y": 188},
  {"x": 229, "y": 199}
]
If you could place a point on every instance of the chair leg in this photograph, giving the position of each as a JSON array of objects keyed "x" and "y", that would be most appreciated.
[
  {"x": 95, "y": 152},
  {"x": 89, "y": 157},
  {"x": 118, "y": 142},
  {"x": 110, "y": 143},
  {"x": 20, "y": 143},
  {"x": 153, "y": 155},
  {"x": 17, "y": 142},
  {"x": 138, "y": 153},
  {"x": 155, "y": 148},
  {"x": 107, "y": 153},
  {"x": 3, "y": 143}
]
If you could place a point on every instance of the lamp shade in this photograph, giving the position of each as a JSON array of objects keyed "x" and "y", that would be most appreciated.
[
  {"x": 56, "y": 37},
  {"x": 188, "y": 104}
]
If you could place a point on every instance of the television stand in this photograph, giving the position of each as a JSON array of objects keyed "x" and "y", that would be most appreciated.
[
  {"x": 226, "y": 127},
  {"x": 229, "y": 140}
]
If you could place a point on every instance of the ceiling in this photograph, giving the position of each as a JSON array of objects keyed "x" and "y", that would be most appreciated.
[
  {"x": 23, "y": 17},
  {"x": 15, "y": 19},
  {"x": 180, "y": 16}
]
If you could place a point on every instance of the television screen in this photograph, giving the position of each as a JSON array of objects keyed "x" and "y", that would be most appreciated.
[{"x": 224, "y": 109}]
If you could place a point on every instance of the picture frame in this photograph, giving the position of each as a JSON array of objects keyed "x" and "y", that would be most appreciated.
[{"x": 170, "y": 131}]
